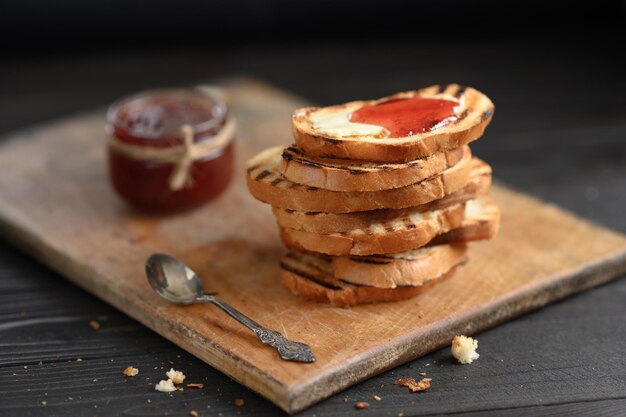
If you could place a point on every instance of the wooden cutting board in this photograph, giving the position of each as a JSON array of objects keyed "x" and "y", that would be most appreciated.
[{"x": 56, "y": 203}]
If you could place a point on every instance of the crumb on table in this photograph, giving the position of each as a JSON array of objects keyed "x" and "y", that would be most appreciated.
[
  {"x": 413, "y": 385},
  {"x": 177, "y": 377},
  {"x": 464, "y": 349},
  {"x": 165, "y": 386},
  {"x": 361, "y": 405},
  {"x": 130, "y": 371}
]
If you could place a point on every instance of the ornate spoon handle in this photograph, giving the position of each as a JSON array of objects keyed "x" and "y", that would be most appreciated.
[{"x": 288, "y": 350}]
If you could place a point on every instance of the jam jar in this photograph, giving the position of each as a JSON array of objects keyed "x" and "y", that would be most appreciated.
[{"x": 170, "y": 149}]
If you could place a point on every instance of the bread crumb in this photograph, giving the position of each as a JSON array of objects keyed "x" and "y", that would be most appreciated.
[
  {"x": 464, "y": 349},
  {"x": 193, "y": 413},
  {"x": 361, "y": 405},
  {"x": 44, "y": 402},
  {"x": 177, "y": 377},
  {"x": 94, "y": 325},
  {"x": 199, "y": 386},
  {"x": 239, "y": 402},
  {"x": 130, "y": 371},
  {"x": 165, "y": 386},
  {"x": 401, "y": 414},
  {"x": 414, "y": 385},
  {"x": 376, "y": 398},
  {"x": 423, "y": 374}
]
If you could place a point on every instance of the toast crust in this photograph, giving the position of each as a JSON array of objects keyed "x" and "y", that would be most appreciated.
[
  {"x": 268, "y": 185},
  {"x": 474, "y": 114},
  {"x": 348, "y": 175},
  {"x": 481, "y": 222},
  {"x": 311, "y": 278},
  {"x": 327, "y": 223},
  {"x": 399, "y": 235},
  {"x": 407, "y": 268}
]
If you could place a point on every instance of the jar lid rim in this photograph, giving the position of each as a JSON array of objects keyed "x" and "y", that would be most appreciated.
[{"x": 219, "y": 109}]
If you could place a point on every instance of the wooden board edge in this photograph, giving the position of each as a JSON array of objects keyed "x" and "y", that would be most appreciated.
[
  {"x": 406, "y": 348},
  {"x": 240, "y": 370}
]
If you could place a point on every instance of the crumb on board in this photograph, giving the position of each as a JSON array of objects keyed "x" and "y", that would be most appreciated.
[
  {"x": 423, "y": 374},
  {"x": 361, "y": 405},
  {"x": 413, "y": 385},
  {"x": 198, "y": 386},
  {"x": 376, "y": 398},
  {"x": 239, "y": 402},
  {"x": 130, "y": 371},
  {"x": 165, "y": 386},
  {"x": 94, "y": 325},
  {"x": 193, "y": 413},
  {"x": 177, "y": 377},
  {"x": 464, "y": 349}
]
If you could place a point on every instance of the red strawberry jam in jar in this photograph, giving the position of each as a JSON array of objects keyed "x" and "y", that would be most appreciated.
[{"x": 170, "y": 149}]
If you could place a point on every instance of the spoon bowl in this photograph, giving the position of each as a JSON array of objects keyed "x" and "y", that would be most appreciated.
[{"x": 172, "y": 279}]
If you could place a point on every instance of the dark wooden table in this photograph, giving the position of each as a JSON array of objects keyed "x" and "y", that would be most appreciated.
[{"x": 559, "y": 133}]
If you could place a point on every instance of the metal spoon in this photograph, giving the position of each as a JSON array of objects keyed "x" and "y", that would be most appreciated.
[{"x": 177, "y": 283}]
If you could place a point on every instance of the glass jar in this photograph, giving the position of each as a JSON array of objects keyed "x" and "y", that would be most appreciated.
[{"x": 170, "y": 149}]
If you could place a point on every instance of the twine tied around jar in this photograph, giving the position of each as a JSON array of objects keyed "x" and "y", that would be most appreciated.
[{"x": 181, "y": 156}]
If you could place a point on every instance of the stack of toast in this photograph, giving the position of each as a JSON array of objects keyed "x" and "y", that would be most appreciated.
[{"x": 377, "y": 200}]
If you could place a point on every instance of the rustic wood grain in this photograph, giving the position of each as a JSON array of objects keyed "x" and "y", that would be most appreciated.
[{"x": 541, "y": 255}]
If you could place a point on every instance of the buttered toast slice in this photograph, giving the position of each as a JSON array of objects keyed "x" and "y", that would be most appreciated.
[
  {"x": 267, "y": 184},
  {"x": 327, "y": 223},
  {"x": 350, "y": 175},
  {"x": 481, "y": 220},
  {"x": 399, "y": 128},
  {"x": 312, "y": 277}
]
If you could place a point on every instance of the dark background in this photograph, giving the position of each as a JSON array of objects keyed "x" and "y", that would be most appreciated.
[{"x": 555, "y": 71}]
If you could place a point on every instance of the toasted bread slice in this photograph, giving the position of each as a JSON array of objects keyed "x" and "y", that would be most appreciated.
[
  {"x": 398, "y": 235},
  {"x": 349, "y": 175},
  {"x": 267, "y": 184},
  {"x": 312, "y": 277},
  {"x": 473, "y": 113},
  {"x": 481, "y": 221},
  {"x": 401, "y": 269},
  {"x": 327, "y": 223}
]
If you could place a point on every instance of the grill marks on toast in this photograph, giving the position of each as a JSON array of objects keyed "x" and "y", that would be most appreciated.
[
  {"x": 460, "y": 91},
  {"x": 262, "y": 175},
  {"x": 347, "y": 175},
  {"x": 275, "y": 189},
  {"x": 398, "y": 235},
  {"x": 414, "y": 267}
]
